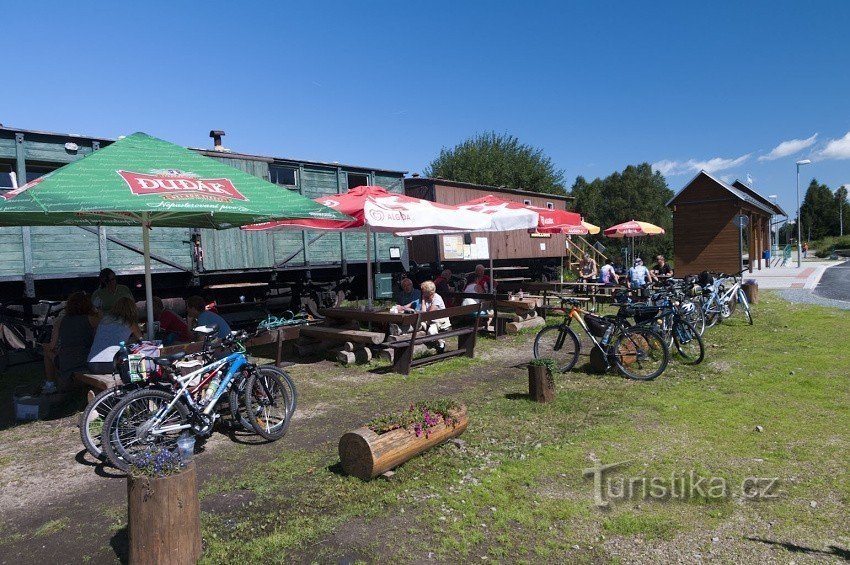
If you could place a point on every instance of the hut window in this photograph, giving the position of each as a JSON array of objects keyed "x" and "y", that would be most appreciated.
[
  {"x": 355, "y": 180},
  {"x": 550, "y": 205},
  {"x": 284, "y": 176}
]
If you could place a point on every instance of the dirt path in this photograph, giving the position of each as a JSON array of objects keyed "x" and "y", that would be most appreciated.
[{"x": 58, "y": 506}]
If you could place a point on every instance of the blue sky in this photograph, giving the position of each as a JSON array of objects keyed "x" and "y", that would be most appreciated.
[{"x": 597, "y": 85}]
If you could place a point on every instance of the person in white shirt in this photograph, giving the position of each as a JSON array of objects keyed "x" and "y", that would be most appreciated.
[
  {"x": 639, "y": 276},
  {"x": 607, "y": 274}
]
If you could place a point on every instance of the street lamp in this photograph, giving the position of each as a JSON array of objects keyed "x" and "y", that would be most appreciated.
[
  {"x": 799, "y": 231},
  {"x": 772, "y": 232}
]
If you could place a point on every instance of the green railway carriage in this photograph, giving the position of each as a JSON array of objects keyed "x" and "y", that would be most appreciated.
[{"x": 41, "y": 260}]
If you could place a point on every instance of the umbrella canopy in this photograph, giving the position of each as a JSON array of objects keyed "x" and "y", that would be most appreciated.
[
  {"x": 373, "y": 209},
  {"x": 633, "y": 229},
  {"x": 584, "y": 228},
  {"x": 505, "y": 215},
  {"x": 145, "y": 181}
]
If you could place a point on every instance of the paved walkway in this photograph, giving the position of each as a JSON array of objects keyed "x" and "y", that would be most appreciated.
[{"x": 806, "y": 277}]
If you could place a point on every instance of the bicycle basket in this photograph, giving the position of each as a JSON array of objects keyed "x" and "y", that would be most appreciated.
[{"x": 596, "y": 324}]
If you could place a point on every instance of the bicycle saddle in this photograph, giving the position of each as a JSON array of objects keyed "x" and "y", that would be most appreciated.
[{"x": 169, "y": 360}]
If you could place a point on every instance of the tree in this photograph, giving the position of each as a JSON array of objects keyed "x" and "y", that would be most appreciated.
[
  {"x": 819, "y": 212},
  {"x": 636, "y": 193},
  {"x": 498, "y": 160}
]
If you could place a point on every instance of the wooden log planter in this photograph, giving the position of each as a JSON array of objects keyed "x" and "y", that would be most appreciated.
[
  {"x": 164, "y": 518},
  {"x": 365, "y": 454}
]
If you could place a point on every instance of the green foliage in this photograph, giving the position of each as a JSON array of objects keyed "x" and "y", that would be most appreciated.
[
  {"x": 498, "y": 160},
  {"x": 550, "y": 364},
  {"x": 820, "y": 211},
  {"x": 636, "y": 193},
  {"x": 419, "y": 417}
]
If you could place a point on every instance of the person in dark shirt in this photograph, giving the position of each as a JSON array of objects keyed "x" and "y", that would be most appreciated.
[
  {"x": 442, "y": 282},
  {"x": 662, "y": 269}
]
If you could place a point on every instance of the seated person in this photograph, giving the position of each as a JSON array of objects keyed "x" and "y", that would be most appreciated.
[
  {"x": 587, "y": 268},
  {"x": 608, "y": 275},
  {"x": 442, "y": 282},
  {"x": 639, "y": 276},
  {"x": 108, "y": 291},
  {"x": 483, "y": 279},
  {"x": 430, "y": 302},
  {"x": 172, "y": 327},
  {"x": 120, "y": 324},
  {"x": 472, "y": 287},
  {"x": 662, "y": 269},
  {"x": 407, "y": 295},
  {"x": 71, "y": 340},
  {"x": 198, "y": 315}
]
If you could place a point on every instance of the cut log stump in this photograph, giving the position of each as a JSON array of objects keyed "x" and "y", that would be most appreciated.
[
  {"x": 515, "y": 327},
  {"x": 164, "y": 519},
  {"x": 541, "y": 384},
  {"x": 365, "y": 454}
]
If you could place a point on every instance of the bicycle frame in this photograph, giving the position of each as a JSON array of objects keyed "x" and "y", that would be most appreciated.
[{"x": 236, "y": 362}]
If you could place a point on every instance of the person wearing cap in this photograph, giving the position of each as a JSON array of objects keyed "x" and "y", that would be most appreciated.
[{"x": 639, "y": 275}]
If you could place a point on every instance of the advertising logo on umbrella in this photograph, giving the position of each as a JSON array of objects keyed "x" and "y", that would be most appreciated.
[{"x": 175, "y": 184}]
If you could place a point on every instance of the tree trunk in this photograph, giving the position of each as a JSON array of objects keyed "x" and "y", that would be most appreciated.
[
  {"x": 365, "y": 454},
  {"x": 164, "y": 519}
]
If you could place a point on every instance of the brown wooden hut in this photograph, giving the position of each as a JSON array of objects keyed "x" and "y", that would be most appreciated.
[
  {"x": 705, "y": 235},
  {"x": 517, "y": 246}
]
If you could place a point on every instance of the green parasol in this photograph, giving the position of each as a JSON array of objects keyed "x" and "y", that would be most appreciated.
[{"x": 142, "y": 180}]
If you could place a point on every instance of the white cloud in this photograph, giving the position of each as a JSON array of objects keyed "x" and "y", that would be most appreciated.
[
  {"x": 672, "y": 168},
  {"x": 789, "y": 147},
  {"x": 836, "y": 149}
]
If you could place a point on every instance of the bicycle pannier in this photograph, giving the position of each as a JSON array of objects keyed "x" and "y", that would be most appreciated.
[{"x": 596, "y": 324}]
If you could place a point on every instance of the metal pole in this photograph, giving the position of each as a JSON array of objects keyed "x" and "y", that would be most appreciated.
[
  {"x": 146, "y": 245},
  {"x": 369, "y": 289},
  {"x": 741, "y": 244},
  {"x": 799, "y": 229}
]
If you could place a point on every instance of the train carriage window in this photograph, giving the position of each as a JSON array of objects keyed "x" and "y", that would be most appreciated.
[
  {"x": 355, "y": 180},
  {"x": 550, "y": 205},
  {"x": 527, "y": 202},
  {"x": 283, "y": 176},
  {"x": 5, "y": 177}
]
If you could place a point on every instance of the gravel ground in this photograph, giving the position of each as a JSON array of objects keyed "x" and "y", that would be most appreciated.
[{"x": 803, "y": 296}]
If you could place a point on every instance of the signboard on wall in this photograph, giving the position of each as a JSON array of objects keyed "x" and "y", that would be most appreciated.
[{"x": 455, "y": 249}]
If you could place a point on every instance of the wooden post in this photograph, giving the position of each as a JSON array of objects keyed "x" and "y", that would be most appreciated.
[
  {"x": 541, "y": 384},
  {"x": 164, "y": 519},
  {"x": 751, "y": 243}
]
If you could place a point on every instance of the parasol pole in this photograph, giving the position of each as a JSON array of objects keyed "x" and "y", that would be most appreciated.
[
  {"x": 369, "y": 289},
  {"x": 146, "y": 245},
  {"x": 492, "y": 288}
]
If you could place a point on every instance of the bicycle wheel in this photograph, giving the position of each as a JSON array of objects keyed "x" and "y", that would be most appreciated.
[
  {"x": 94, "y": 416},
  {"x": 289, "y": 384},
  {"x": 266, "y": 404},
  {"x": 127, "y": 430},
  {"x": 559, "y": 343},
  {"x": 640, "y": 354},
  {"x": 688, "y": 343},
  {"x": 693, "y": 313},
  {"x": 745, "y": 306}
]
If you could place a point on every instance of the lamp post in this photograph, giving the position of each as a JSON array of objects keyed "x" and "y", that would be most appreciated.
[
  {"x": 799, "y": 231},
  {"x": 771, "y": 232}
]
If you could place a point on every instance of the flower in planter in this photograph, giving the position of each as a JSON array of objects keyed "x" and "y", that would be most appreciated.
[
  {"x": 156, "y": 462},
  {"x": 419, "y": 418}
]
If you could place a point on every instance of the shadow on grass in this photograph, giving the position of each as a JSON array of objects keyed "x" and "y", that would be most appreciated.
[
  {"x": 833, "y": 550},
  {"x": 518, "y": 396}
]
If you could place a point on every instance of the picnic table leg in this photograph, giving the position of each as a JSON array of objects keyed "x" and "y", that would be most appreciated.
[
  {"x": 279, "y": 355},
  {"x": 468, "y": 341},
  {"x": 401, "y": 361}
]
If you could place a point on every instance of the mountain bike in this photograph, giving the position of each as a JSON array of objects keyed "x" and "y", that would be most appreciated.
[
  {"x": 154, "y": 417},
  {"x": 719, "y": 302},
  {"x": 23, "y": 334},
  {"x": 668, "y": 318},
  {"x": 637, "y": 352}
]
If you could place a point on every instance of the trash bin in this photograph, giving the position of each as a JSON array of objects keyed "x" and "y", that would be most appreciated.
[{"x": 751, "y": 289}]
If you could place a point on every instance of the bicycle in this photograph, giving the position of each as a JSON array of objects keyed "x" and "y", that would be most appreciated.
[
  {"x": 719, "y": 303},
  {"x": 637, "y": 352},
  {"x": 153, "y": 416},
  {"x": 666, "y": 316}
]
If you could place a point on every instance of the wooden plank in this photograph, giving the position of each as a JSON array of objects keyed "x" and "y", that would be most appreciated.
[{"x": 335, "y": 334}]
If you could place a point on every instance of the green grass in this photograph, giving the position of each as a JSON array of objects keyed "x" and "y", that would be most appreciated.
[
  {"x": 516, "y": 492},
  {"x": 52, "y": 527}
]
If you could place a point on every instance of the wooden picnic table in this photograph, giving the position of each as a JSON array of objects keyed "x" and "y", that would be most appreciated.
[{"x": 513, "y": 279}]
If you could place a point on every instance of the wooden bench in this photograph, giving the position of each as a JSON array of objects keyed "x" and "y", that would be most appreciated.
[{"x": 403, "y": 359}]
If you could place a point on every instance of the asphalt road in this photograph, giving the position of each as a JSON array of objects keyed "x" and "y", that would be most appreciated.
[{"x": 835, "y": 282}]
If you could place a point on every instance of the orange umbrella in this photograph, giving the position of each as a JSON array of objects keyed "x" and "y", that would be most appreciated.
[{"x": 633, "y": 229}]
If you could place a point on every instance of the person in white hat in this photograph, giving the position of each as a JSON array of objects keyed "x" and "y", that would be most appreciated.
[{"x": 639, "y": 276}]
